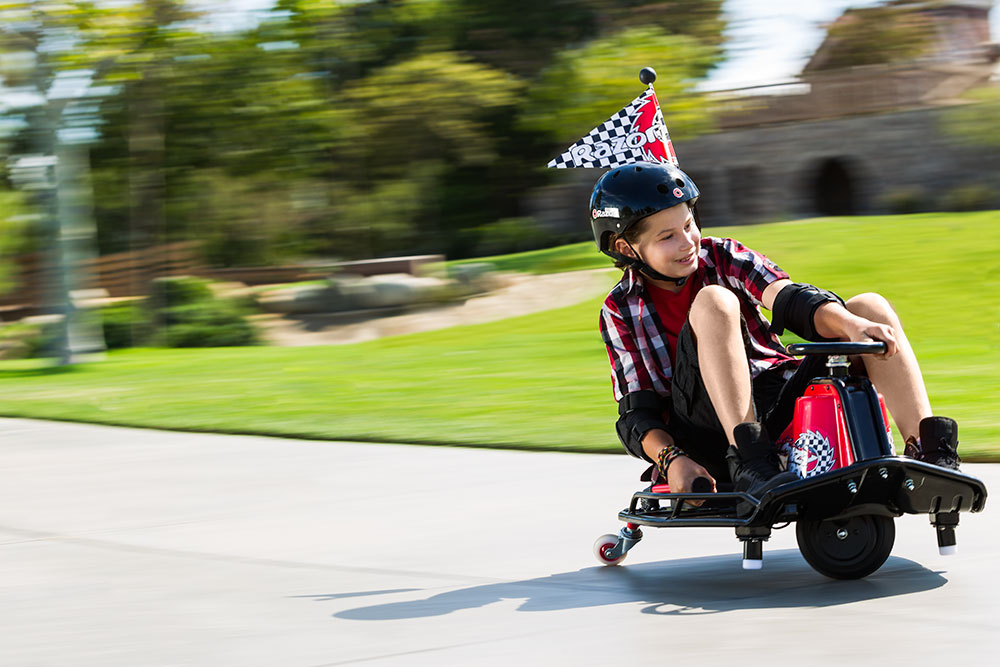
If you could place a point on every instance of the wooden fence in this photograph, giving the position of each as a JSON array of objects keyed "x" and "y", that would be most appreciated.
[
  {"x": 118, "y": 275},
  {"x": 129, "y": 274}
]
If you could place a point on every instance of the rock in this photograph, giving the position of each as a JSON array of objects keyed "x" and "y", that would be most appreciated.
[{"x": 348, "y": 293}]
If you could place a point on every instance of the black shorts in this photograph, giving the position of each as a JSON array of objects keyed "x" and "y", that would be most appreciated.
[{"x": 695, "y": 426}]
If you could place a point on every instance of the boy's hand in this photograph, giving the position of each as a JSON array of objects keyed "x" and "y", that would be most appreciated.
[
  {"x": 860, "y": 330},
  {"x": 834, "y": 321},
  {"x": 681, "y": 474}
]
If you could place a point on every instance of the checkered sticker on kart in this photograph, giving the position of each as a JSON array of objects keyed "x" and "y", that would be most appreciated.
[
  {"x": 636, "y": 133},
  {"x": 810, "y": 454}
]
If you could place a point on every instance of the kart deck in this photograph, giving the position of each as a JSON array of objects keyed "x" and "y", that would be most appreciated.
[{"x": 888, "y": 486}]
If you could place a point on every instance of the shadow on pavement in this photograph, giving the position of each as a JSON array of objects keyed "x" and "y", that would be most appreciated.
[{"x": 686, "y": 586}]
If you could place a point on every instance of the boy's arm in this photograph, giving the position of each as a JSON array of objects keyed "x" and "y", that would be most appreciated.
[
  {"x": 771, "y": 292},
  {"x": 832, "y": 320}
]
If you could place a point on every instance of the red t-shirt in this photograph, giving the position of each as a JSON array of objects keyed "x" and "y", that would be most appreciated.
[{"x": 672, "y": 307}]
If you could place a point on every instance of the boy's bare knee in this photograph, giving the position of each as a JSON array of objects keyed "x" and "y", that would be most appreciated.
[
  {"x": 712, "y": 305},
  {"x": 872, "y": 306}
]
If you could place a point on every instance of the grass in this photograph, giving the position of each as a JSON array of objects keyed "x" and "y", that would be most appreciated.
[
  {"x": 548, "y": 260},
  {"x": 541, "y": 381}
]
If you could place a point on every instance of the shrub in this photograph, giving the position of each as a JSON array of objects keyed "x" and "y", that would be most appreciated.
[
  {"x": 209, "y": 323},
  {"x": 976, "y": 197},
  {"x": 25, "y": 340},
  {"x": 189, "y": 314},
  {"x": 906, "y": 200},
  {"x": 125, "y": 324},
  {"x": 511, "y": 235},
  {"x": 179, "y": 291}
]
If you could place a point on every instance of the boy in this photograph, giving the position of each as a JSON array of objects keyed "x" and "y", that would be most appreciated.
[{"x": 703, "y": 384}]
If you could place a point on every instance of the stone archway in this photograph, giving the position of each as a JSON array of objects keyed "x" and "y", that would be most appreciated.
[{"x": 834, "y": 191}]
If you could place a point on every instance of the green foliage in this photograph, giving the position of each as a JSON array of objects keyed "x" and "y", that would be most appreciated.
[
  {"x": 509, "y": 235},
  {"x": 180, "y": 291},
  {"x": 906, "y": 200},
  {"x": 875, "y": 36},
  {"x": 429, "y": 107},
  {"x": 214, "y": 323},
  {"x": 188, "y": 314},
  {"x": 350, "y": 129},
  {"x": 23, "y": 340},
  {"x": 574, "y": 257},
  {"x": 126, "y": 324},
  {"x": 972, "y": 197},
  {"x": 520, "y": 36},
  {"x": 702, "y": 20},
  {"x": 15, "y": 235},
  {"x": 975, "y": 123},
  {"x": 586, "y": 85}
]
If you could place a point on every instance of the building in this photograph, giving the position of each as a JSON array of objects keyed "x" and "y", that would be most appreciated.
[
  {"x": 866, "y": 138},
  {"x": 860, "y": 132}
]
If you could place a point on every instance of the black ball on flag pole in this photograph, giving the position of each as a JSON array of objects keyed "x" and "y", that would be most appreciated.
[{"x": 647, "y": 75}]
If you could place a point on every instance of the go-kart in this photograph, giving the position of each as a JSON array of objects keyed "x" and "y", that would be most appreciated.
[{"x": 851, "y": 487}]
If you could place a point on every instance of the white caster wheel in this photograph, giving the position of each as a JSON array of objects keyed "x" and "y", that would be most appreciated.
[{"x": 602, "y": 546}]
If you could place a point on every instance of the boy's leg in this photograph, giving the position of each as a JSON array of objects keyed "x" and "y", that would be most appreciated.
[
  {"x": 718, "y": 333},
  {"x": 898, "y": 378},
  {"x": 901, "y": 383},
  {"x": 722, "y": 359}
]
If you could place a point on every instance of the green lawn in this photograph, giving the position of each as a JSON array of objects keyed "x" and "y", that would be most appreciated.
[{"x": 542, "y": 380}]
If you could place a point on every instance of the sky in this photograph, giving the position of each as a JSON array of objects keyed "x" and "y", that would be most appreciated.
[{"x": 769, "y": 40}]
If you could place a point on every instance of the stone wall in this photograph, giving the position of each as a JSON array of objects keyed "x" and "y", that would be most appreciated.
[
  {"x": 804, "y": 169},
  {"x": 831, "y": 167}
]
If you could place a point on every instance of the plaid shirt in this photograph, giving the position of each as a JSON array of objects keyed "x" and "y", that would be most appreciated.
[{"x": 634, "y": 336}]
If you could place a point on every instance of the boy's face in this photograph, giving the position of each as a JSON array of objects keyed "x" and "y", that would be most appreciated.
[{"x": 669, "y": 242}]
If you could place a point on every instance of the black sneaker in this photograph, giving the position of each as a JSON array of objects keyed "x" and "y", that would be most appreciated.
[
  {"x": 938, "y": 443},
  {"x": 753, "y": 463}
]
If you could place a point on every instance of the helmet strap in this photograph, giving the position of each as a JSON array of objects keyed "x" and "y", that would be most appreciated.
[{"x": 642, "y": 267}]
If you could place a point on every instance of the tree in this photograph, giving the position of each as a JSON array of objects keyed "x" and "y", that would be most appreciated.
[
  {"x": 405, "y": 130},
  {"x": 586, "y": 85},
  {"x": 873, "y": 36},
  {"x": 975, "y": 123},
  {"x": 356, "y": 128}
]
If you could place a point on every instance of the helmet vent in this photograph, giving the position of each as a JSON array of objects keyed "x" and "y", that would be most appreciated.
[
  {"x": 638, "y": 168},
  {"x": 662, "y": 189},
  {"x": 615, "y": 174},
  {"x": 679, "y": 182}
]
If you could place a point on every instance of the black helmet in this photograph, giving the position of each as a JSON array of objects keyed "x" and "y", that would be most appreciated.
[{"x": 625, "y": 195}]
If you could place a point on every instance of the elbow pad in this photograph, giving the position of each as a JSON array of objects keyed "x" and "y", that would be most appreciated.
[
  {"x": 795, "y": 306},
  {"x": 639, "y": 413}
]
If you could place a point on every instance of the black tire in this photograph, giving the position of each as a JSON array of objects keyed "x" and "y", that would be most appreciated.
[{"x": 846, "y": 548}]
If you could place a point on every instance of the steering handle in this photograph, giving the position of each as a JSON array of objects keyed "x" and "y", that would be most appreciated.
[{"x": 874, "y": 347}]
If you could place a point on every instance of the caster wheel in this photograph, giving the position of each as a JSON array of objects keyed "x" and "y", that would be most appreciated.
[
  {"x": 846, "y": 548},
  {"x": 602, "y": 546}
]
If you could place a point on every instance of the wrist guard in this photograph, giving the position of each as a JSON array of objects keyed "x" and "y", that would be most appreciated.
[
  {"x": 639, "y": 413},
  {"x": 795, "y": 307}
]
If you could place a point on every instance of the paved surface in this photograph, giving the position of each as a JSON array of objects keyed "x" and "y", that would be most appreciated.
[{"x": 130, "y": 547}]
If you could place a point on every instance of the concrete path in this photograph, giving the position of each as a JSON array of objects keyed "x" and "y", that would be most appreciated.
[{"x": 123, "y": 547}]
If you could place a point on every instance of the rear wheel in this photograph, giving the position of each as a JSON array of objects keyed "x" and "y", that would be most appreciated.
[{"x": 846, "y": 548}]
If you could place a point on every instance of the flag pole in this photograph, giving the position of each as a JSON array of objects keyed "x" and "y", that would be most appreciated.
[{"x": 647, "y": 75}]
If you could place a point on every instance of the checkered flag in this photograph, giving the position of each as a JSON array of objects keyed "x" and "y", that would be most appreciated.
[{"x": 637, "y": 133}]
